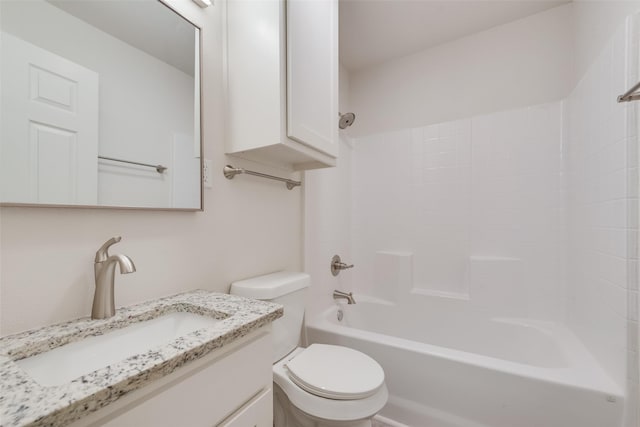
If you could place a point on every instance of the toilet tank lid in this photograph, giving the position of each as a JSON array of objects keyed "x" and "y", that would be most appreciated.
[{"x": 271, "y": 286}]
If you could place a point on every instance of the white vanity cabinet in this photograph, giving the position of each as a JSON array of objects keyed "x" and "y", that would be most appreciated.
[
  {"x": 230, "y": 387},
  {"x": 281, "y": 78}
]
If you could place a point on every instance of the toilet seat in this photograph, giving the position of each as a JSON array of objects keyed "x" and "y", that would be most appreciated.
[
  {"x": 335, "y": 372},
  {"x": 323, "y": 407}
]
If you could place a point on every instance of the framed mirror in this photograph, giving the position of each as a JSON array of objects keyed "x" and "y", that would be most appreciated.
[{"x": 100, "y": 105}]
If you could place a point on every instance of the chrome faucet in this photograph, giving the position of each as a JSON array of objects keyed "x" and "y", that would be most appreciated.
[
  {"x": 105, "y": 267},
  {"x": 348, "y": 296}
]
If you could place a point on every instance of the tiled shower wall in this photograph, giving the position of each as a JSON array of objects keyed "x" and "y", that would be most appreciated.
[
  {"x": 477, "y": 202},
  {"x": 602, "y": 170}
]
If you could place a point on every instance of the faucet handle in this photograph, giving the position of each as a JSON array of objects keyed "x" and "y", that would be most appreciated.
[
  {"x": 103, "y": 253},
  {"x": 337, "y": 265}
]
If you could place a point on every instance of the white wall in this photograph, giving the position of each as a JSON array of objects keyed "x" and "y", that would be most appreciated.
[
  {"x": 534, "y": 60},
  {"x": 602, "y": 170},
  {"x": 522, "y": 63},
  {"x": 249, "y": 227},
  {"x": 593, "y": 24},
  {"x": 476, "y": 202},
  {"x": 597, "y": 191},
  {"x": 327, "y": 218},
  {"x": 328, "y": 229},
  {"x": 143, "y": 101}
]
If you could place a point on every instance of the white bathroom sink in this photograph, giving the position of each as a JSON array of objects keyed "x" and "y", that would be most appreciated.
[{"x": 68, "y": 362}]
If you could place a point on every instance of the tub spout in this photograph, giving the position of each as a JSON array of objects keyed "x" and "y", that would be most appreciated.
[{"x": 344, "y": 295}]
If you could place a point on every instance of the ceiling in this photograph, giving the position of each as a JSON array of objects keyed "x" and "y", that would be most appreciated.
[{"x": 375, "y": 31}]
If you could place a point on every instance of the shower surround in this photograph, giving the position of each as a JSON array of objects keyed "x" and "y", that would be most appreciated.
[{"x": 473, "y": 211}]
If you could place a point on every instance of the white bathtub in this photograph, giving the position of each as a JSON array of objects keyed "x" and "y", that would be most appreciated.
[{"x": 457, "y": 371}]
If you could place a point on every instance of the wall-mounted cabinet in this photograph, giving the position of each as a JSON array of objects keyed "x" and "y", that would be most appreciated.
[{"x": 282, "y": 82}]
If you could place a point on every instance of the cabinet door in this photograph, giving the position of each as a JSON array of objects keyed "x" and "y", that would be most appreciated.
[
  {"x": 312, "y": 73},
  {"x": 256, "y": 413},
  {"x": 205, "y": 396}
]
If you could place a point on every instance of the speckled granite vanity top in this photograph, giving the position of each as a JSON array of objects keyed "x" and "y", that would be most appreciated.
[{"x": 24, "y": 402}]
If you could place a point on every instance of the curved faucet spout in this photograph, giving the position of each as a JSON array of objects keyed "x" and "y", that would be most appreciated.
[
  {"x": 126, "y": 264},
  {"x": 344, "y": 295}
]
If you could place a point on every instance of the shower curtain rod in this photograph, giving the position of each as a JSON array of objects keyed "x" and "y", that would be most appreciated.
[{"x": 630, "y": 95}]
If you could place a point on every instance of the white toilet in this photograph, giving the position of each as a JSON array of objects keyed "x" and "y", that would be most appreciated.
[{"x": 321, "y": 385}]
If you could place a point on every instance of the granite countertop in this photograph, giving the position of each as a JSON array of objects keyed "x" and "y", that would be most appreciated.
[{"x": 24, "y": 402}]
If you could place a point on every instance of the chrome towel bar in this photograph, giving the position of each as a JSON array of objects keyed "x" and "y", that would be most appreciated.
[
  {"x": 230, "y": 172},
  {"x": 158, "y": 168},
  {"x": 630, "y": 95}
]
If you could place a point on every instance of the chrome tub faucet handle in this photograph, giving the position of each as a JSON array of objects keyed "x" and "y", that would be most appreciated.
[{"x": 337, "y": 265}]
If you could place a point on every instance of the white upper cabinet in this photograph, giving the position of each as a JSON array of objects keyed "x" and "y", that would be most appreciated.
[
  {"x": 282, "y": 81},
  {"x": 312, "y": 74}
]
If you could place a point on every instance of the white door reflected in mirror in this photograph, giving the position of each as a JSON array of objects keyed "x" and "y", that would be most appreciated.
[{"x": 54, "y": 158}]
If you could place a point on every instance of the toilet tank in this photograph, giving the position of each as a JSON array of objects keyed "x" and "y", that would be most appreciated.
[{"x": 288, "y": 289}]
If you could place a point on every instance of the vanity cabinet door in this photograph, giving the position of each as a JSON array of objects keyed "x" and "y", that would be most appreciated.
[
  {"x": 256, "y": 413},
  {"x": 207, "y": 395},
  {"x": 312, "y": 74}
]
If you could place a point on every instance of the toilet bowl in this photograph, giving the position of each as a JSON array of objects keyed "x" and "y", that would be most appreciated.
[
  {"x": 321, "y": 385},
  {"x": 350, "y": 396}
]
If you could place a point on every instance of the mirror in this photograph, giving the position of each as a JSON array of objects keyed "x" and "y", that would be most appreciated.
[{"x": 100, "y": 104}]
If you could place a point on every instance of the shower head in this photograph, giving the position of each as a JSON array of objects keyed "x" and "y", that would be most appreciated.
[{"x": 346, "y": 120}]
